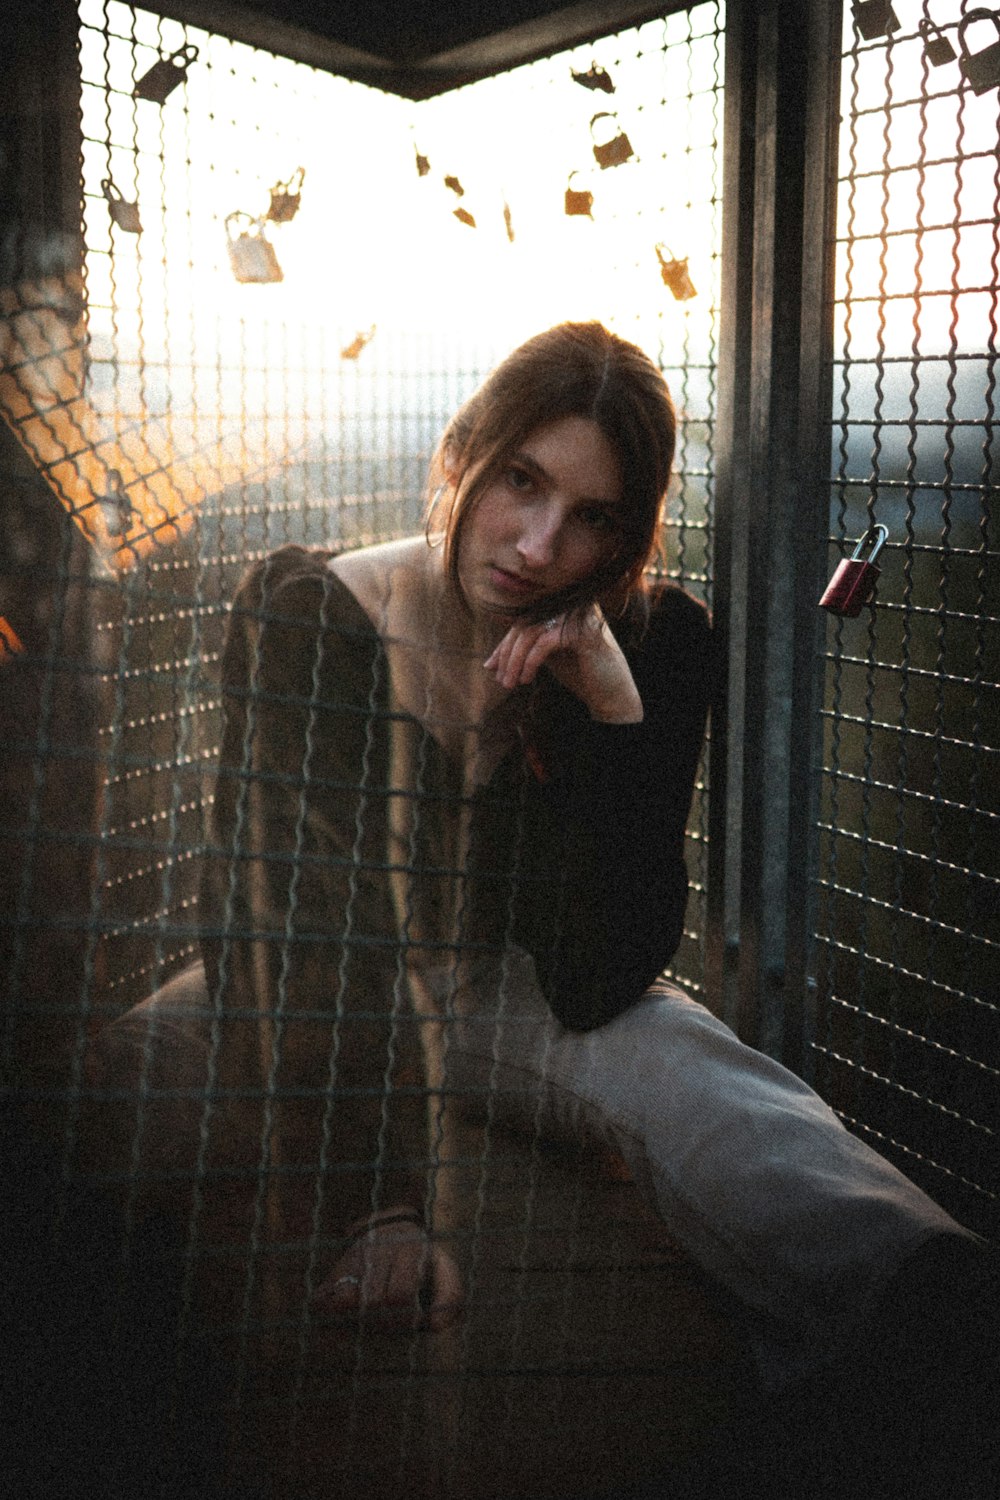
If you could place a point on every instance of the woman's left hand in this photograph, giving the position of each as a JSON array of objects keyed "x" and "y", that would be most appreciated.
[
  {"x": 396, "y": 1273},
  {"x": 581, "y": 652}
]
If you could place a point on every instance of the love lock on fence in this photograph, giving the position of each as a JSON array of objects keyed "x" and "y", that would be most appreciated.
[
  {"x": 595, "y": 78},
  {"x": 855, "y": 577},
  {"x": 874, "y": 18},
  {"x": 251, "y": 255},
  {"x": 124, "y": 214},
  {"x": 675, "y": 275},
  {"x": 165, "y": 74},
  {"x": 578, "y": 201},
  {"x": 286, "y": 197},
  {"x": 981, "y": 69},
  {"x": 937, "y": 47},
  {"x": 613, "y": 152}
]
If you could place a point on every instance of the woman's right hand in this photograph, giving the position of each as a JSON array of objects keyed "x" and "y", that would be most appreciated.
[
  {"x": 581, "y": 652},
  {"x": 396, "y": 1272}
]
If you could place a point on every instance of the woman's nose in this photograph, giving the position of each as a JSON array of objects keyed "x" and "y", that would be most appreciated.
[{"x": 539, "y": 536}]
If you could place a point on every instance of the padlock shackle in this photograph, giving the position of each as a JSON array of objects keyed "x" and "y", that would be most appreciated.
[
  {"x": 978, "y": 13},
  {"x": 881, "y": 535},
  {"x": 926, "y": 27},
  {"x": 602, "y": 114},
  {"x": 254, "y": 223}
]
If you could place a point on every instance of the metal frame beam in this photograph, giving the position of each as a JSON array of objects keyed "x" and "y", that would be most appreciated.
[
  {"x": 782, "y": 61},
  {"x": 410, "y": 72}
]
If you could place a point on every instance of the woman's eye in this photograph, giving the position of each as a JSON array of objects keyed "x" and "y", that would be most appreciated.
[
  {"x": 519, "y": 479},
  {"x": 597, "y": 519}
]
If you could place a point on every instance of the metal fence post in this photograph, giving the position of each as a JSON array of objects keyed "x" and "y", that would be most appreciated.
[{"x": 782, "y": 66}]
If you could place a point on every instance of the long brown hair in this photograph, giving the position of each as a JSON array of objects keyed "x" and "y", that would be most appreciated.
[{"x": 572, "y": 370}]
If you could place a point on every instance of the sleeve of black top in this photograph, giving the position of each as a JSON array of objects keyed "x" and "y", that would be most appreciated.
[{"x": 612, "y": 820}]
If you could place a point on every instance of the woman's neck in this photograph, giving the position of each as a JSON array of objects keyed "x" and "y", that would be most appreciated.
[{"x": 435, "y": 647}]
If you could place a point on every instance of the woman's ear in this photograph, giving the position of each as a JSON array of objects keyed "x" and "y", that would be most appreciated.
[{"x": 450, "y": 468}]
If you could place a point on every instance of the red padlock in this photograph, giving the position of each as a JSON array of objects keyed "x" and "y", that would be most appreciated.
[{"x": 853, "y": 583}]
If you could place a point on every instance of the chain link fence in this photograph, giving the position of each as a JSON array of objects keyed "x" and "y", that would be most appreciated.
[{"x": 906, "y": 1040}]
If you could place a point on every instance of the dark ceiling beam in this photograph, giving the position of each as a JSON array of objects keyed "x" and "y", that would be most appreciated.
[{"x": 418, "y": 77}]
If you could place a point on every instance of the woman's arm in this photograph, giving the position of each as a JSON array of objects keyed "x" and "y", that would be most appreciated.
[{"x": 604, "y": 885}]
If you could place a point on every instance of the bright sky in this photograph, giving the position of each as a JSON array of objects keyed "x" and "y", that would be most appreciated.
[
  {"x": 373, "y": 242},
  {"x": 188, "y": 365}
]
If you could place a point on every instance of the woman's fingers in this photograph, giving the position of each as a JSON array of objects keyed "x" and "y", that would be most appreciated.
[
  {"x": 447, "y": 1299},
  {"x": 523, "y": 649},
  {"x": 401, "y": 1277}
]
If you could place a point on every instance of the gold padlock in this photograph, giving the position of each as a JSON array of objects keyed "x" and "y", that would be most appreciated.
[
  {"x": 675, "y": 275},
  {"x": 286, "y": 197},
  {"x": 614, "y": 152},
  {"x": 359, "y": 342},
  {"x": 251, "y": 255},
  {"x": 579, "y": 201}
]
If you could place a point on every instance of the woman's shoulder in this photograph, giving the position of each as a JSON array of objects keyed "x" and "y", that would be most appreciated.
[
  {"x": 350, "y": 585},
  {"x": 668, "y": 617},
  {"x": 379, "y": 574}
]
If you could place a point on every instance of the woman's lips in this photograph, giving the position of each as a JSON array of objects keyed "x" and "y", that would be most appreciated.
[{"x": 511, "y": 583}]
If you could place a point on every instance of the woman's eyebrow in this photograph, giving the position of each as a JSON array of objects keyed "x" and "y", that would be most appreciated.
[{"x": 540, "y": 472}]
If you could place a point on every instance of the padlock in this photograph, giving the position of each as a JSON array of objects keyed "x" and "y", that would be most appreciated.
[
  {"x": 855, "y": 577},
  {"x": 252, "y": 256},
  {"x": 125, "y": 214},
  {"x": 165, "y": 74},
  {"x": 614, "y": 152},
  {"x": 359, "y": 342},
  {"x": 286, "y": 197},
  {"x": 594, "y": 78},
  {"x": 937, "y": 48},
  {"x": 874, "y": 18},
  {"x": 579, "y": 201},
  {"x": 981, "y": 69},
  {"x": 119, "y": 513},
  {"x": 675, "y": 275}
]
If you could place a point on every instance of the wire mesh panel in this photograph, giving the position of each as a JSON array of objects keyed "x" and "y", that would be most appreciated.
[
  {"x": 907, "y": 1043},
  {"x": 288, "y": 283}
]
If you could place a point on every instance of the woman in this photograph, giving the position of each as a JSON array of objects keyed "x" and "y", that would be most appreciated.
[{"x": 447, "y": 847}]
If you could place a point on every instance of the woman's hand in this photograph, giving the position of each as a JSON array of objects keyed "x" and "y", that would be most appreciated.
[
  {"x": 581, "y": 652},
  {"x": 394, "y": 1271}
]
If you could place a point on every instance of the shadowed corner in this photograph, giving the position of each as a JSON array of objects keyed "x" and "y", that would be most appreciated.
[{"x": 96, "y": 1398}]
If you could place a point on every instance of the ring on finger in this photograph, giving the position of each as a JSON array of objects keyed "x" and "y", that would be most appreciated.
[{"x": 553, "y": 623}]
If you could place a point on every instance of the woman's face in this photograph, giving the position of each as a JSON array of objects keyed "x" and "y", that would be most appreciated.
[{"x": 552, "y": 517}]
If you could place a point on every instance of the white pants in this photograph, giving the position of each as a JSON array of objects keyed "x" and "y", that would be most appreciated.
[
  {"x": 755, "y": 1178},
  {"x": 752, "y": 1174}
]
